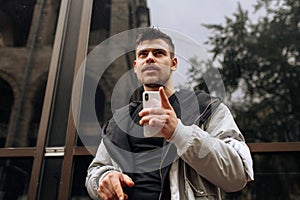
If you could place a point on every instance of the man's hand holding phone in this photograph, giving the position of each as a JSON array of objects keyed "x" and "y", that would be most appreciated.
[{"x": 159, "y": 120}]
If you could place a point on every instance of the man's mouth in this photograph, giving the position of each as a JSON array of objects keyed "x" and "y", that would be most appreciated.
[{"x": 150, "y": 68}]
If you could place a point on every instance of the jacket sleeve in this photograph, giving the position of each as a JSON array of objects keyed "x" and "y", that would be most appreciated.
[
  {"x": 99, "y": 167},
  {"x": 217, "y": 152}
]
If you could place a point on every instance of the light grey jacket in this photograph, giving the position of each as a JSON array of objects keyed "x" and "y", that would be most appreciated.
[{"x": 211, "y": 158}]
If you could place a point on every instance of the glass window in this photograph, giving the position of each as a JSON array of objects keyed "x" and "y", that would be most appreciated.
[
  {"x": 6, "y": 103},
  {"x": 14, "y": 177},
  {"x": 27, "y": 31},
  {"x": 50, "y": 180},
  {"x": 78, "y": 184},
  {"x": 277, "y": 176},
  {"x": 100, "y": 21},
  {"x": 16, "y": 22},
  {"x": 109, "y": 18}
]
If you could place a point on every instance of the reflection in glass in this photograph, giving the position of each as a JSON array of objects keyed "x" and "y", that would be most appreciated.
[
  {"x": 100, "y": 21},
  {"x": 277, "y": 176},
  {"x": 109, "y": 18},
  {"x": 14, "y": 178},
  {"x": 6, "y": 102},
  {"x": 259, "y": 62},
  {"x": 26, "y": 36},
  {"x": 78, "y": 190},
  {"x": 50, "y": 178},
  {"x": 16, "y": 17}
]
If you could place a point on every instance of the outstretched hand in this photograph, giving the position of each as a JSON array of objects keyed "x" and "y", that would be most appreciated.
[
  {"x": 164, "y": 118},
  {"x": 111, "y": 185}
]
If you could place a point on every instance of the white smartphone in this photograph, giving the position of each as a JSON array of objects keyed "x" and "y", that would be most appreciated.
[{"x": 151, "y": 99}]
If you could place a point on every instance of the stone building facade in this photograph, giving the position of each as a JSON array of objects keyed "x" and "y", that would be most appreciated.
[{"x": 27, "y": 32}]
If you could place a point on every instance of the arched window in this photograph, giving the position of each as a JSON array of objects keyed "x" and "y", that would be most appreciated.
[
  {"x": 16, "y": 17},
  {"x": 6, "y": 102},
  {"x": 37, "y": 106}
]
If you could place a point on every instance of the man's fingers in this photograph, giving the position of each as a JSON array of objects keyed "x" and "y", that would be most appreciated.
[
  {"x": 111, "y": 186},
  {"x": 156, "y": 111},
  {"x": 116, "y": 181},
  {"x": 105, "y": 189},
  {"x": 104, "y": 193},
  {"x": 118, "y": 190},
  {"x": 127, "y": 181},
  {"x": 153, "y": 120},
  {"x": 124, "y": 181}
]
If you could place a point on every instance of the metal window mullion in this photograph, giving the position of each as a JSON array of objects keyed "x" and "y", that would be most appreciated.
[
  {"x": 66, "y": 175},
  {"x": 48, "y": 100}
]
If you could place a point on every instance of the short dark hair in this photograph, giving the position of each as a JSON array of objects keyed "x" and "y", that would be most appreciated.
[{"x": 152, "y": 34}]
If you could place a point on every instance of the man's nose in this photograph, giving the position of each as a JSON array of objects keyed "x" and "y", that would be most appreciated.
[{"x": 150, "y": 57}]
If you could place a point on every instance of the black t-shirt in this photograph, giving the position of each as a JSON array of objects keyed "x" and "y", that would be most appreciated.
[{"x": 148, "y": 155}]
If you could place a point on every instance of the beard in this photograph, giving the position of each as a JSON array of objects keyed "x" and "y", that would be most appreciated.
[{"x": 153, "y": 85}]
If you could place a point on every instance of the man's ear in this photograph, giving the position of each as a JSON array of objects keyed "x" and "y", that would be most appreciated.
[
  {"x": 174, "y": 64},
  {"x": 134, "y": 66}
]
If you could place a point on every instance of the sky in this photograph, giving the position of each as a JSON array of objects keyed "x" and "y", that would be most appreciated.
[{"x": 188, "y": 16}]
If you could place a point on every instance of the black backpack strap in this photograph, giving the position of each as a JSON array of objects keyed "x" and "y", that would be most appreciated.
[
  {"x": 207, "y": 106},
  {"x": 196, "y": 106}
]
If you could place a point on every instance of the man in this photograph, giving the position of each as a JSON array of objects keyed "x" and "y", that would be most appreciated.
[{"x": 201, "y": 150}]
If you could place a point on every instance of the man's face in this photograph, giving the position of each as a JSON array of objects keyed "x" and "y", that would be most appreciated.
[{"x": 154, "y": 65}]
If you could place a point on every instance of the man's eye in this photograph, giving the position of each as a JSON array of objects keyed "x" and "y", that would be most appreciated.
[
  {"x": 142, "y": 54},
  {"x": 159, "y": 53}
]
